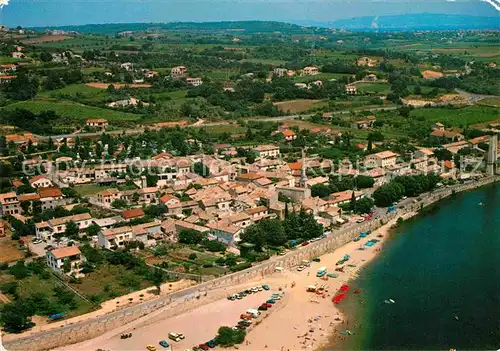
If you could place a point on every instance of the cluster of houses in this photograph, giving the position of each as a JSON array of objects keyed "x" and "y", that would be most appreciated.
[
  {"x": 181, "y": 72},
  {"x": 45, "y": 192},
  {"x": 231, "y": 196}
]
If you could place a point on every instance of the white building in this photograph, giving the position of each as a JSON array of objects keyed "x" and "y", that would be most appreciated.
[
  {"x": 381, "y": 159},
  {"x": 266, "y": 151},
  {"x": 46, "y": 230},
  {"x": 57, "y": 258},
  {"x": 40, "y": 182},
  {"x": 195, "y": 82},
  {"x": 115, "y": 238}
]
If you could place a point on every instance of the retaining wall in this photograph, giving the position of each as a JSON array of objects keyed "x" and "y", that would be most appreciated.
[{"x": 69, "y": 333}]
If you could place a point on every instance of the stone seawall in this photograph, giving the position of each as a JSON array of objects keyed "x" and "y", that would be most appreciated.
[{"x": 66, "y": 332}]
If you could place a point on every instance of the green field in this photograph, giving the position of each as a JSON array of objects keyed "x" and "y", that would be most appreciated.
[
  {"x": 74, "y": 89},
  {"x": 89, "y": 189},
  {"x": 265, "y": 61},
  {"x": 35, "y": 285},
  {"x": 110, "y": 281},
  {"x": 382, "y": 88},
  {"x": 321, "y": 76},
  {"x": 72, "y": 109},
  {"x": 460, "y": 116},
  {"x": 492, "y": 102}
]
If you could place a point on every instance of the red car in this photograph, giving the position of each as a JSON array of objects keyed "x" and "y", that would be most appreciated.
[
  {"x": 305, "y": 243},
  {"x": 268, "y": 305},
  {"x": 245, "y": 316},
  {"x": 204, "y": 347}
]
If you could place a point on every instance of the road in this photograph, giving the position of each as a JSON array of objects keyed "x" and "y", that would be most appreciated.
[
  {"x": 213, "y": 124},
  {"x": 473, "y": 98}
]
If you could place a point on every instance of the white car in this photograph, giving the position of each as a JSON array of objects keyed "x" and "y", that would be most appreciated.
[{"x": 301, "y": 268}]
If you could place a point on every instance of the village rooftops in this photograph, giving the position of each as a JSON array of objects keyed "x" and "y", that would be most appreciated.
[
  {"x": 7, "y": 196},
  {"x": 49, "y": 192},
  {"x": 109, "y": 192},
  {"x": 75, "y": 218},
  {"x": 248, "y": 176},
  {"x": 116, "y": 231},
  {"x": 288, "y": 133},
  {"x": 65, "y": 252},
  {"x": 445, "y": 133},
  {"x": 257, "y": 209},
  {"x": 384, "y": 154},
  {"x": 29, "y": 197},
  {"x": 266, "y": 147},
  {"x": 97, "y": 120},
  {"x": 221, "y": 226},
  {"x": 133, "y": 213}
]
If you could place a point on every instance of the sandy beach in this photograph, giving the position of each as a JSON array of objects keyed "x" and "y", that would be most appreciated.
[{"x": 301, "y": 320}]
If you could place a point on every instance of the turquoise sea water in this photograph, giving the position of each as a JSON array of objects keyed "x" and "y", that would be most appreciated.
[{"x": 443, "y": 271}]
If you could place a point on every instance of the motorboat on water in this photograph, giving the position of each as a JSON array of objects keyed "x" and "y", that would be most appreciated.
[{"x": 389, "y": 301}]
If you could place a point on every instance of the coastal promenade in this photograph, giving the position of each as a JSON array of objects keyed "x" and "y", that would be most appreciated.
[{"x": 66, "y": 332}]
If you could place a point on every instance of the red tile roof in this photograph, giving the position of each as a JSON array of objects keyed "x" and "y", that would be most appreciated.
[
  {"x": 133, "y": 213},
  {"x": 50, "y": 192}
]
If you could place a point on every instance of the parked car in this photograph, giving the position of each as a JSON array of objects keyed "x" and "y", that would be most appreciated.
[
  {"x": 204, "y": 347},
  {"x": 151, "y": 348},
  {"x": 211, "y": 343},
  {"x": 268, "y": 305},
  {"x": 175, "y": 336},
  {"x": 305, "y": 243},
  {"x": 301, "y": 268},
  {"x": 271, "y": 301},
  {"x": 265, "y": 287},
  {"x": 164, "y": 343},
  {"x": 262, "y": 308}
]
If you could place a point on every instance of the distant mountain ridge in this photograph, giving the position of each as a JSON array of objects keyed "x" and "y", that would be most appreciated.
[{"x": 410, "y": 22}]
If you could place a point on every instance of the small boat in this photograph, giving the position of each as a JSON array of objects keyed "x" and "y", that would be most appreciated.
[
  {"x": 346, "y": 332},
  {"x": 389, "y": 301},
  {"x": 392, "y": 301},
  {"x": 456, "y": 318}
]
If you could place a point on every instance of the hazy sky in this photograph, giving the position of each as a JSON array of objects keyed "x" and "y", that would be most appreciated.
[{"x": 64, "y": 12}]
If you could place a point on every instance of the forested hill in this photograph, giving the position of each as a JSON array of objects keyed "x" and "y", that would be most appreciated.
[
  {"x": 422, "y": 21},
  {"x": 246, "y": 26}
]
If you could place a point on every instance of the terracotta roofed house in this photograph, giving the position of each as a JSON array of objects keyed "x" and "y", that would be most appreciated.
[
  {"x": 97, "y": 123},
  {"x": 40, "y": 181},
  {"x": 57, "y": 258},
  {"x": 381, "y": 159},
  {"x": 132, "y": 213}
]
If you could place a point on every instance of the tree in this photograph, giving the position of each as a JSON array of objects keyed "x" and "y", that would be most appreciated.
[
  {"x": 320, "y": 190},
  {"x": 227, "y": 336},
  {"x": 22, "y": 87},
  {"x": 251, "y": 157},
  {"x": 72, "y": 230},
  {"x": 363, "y": 182},
  {"x": 118, "y": 203},
  {"x": 157, "y": 278},
  {"x": 352, "y": 204},
  {"x": 190, "y": 236},
  {"x": 66, "y": 265},
  {"x": 16, "y": 316},
  {"x": 45, "y": 56},
  {"x": 201, "y": 169},
  {"x": 387, "y": 194},
  {"x": 364, "y": 205},
  {"x": 19, "y": 270}
]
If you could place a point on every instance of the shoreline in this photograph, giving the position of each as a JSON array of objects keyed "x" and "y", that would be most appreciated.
[
  {"x": 51, "y": 341},
  {"x": 315, "y": 321},
  {"x": 285, "y": 327}
]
